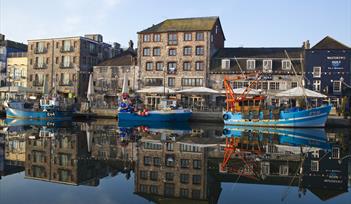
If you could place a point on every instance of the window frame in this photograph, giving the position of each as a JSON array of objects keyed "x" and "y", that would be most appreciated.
[
  {"x": 225, "y": 61},
  {"x": 286, "y": 61},
  {"x": 265, "y": 70},
  {"x": 314, "y": 72}
]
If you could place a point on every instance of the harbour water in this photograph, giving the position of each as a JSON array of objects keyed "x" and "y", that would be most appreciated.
[{"x": 105, "y": 162}]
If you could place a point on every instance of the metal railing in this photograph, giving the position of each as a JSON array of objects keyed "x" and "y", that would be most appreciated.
[
  {"x": 40, "y": 51},
  {"x": 38, "y": 83},
  {"x": 66, "y": 65},
  {"x": 40, "y": 66},
  {"x": 67, "y": 49}
]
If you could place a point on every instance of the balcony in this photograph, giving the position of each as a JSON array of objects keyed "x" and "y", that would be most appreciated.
[
  {"x": 67, "y": 49},
  {"x": 40, "y": 66},
  {"x": 172, "y": 71},
  {"x": 66, "y": 83},
  {"x": 38, "y": 83},
  {"x": 40, "y": 50},
  {"x": 66, "y": 65}
]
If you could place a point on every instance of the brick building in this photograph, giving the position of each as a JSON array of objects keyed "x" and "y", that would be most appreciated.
[{"x": 66, "y": 62}]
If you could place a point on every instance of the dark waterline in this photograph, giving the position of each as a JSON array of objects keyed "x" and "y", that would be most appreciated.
[{"x": 98, "y": 162}]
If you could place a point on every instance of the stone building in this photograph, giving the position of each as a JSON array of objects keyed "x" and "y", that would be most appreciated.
[
  {"x": 17, "y": 69},
  {"x": 177, "y": 52},
  {"x": 6, "y": 48},
  {"x": 109, "y": 75},
  {"x": 280, "y": 71},
  {"x": 65, "y": 63},
  {"x": 172, "y": 169}
]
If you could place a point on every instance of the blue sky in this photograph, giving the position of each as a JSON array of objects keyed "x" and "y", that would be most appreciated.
[{"x": 248, "y": 23}]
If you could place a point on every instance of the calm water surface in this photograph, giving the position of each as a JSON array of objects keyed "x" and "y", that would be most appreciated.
[{"x": 105, "y": 162}]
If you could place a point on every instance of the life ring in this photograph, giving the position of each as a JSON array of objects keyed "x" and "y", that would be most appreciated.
[{"x": 226, "y": 117}]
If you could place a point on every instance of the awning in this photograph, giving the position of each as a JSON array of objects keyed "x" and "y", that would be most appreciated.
[
  {"x": 238, "y": 91},
  {"x": 198, "y": 91},
  {"x": 157, "y": 90},
  {"x": 299, "y": 92}
]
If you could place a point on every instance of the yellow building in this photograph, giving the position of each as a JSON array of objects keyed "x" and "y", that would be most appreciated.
[{"x": 17, "y": 69}]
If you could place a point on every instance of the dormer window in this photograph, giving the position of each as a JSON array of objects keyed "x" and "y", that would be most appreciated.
[
  {"x": 267, "y": 66},
  {"x": 225, "y": 63},
  {"x": 251, "y": 64},
  {"x": 286, "y": 64}
]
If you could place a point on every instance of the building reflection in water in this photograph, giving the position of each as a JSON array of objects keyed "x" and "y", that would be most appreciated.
[{"x": 180, "y": 165}]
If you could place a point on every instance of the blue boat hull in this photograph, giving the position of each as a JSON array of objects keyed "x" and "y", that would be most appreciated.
[
  {"x": 315, "y": 117},
  {"x": 126, "y": 116},
  {"x": 313, "y": 137},
  {"x": 54, "y": 115}
]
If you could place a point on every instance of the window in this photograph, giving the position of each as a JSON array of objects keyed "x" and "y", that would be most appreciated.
[
  {"x": 265, "y": 168},
  {"x": 317, "y": 72},
  {"x": 315, "y": 165},
  {"x": 286, "y": 64},
  {"x": 199, "y": 36},
  {"x": 192, "y": 82},
  {"x": 172, "y": 68},
  {"x": 147, "y": 160},
  {"x": 67, "y": 45},
  {"x": 187, "y": 36},
  {"x": 170, "y": 146},
  {"x": 157, "y": 51},
  {"x": 187, "y": 51},
  {"x": 169, "y": 176},
  {"x": 336, "y": 153},
  {"x": 153, "y": 81},
  {"x": 169, "y": 189},
  {"x": 196, "y": 179},
  {"x": 159, "y": 66},
  {"x": 184, "y": 193},
  {"x": 172, "y": 39},
  {"x": 189, "y": 148},
  {"x": 143, "y": 175},
  {"x": 147, "y": 38},
  {"x": 199, "y": 50},
  {"x": 225, "y": 63},
  {"x": 336, "y": 86},
  {"x": 157, "y": 37},
  {"x": 153, "y": 189},
  {"x": 293, "y": 84},
  {"x": 195, "y": 194},
  {"x": 274, "y": 85},
  {"x": 284, "y": 170},
  {"x": 143, "y": 188},
  {"x": 172, "y": 52},
  {"x": 184, "y": 178},
  {"x": 199, "y": 66},
  {"x": 151, "y": 145},
  {"x": 197, "y": 164},
  {"x": 146, "y": 51},
  {"x": 317, "y": 85},
  {"x": 265, "y": 85},
  {"x": 250, "y": 64},
  {"x": 184, "y": 163},
  {"x": 267, "y": 66},
  {"x": 171, "y": 81},
  {"x": 157, "y": 161},
  {"x": 187, "y": 66},
  {"x": 148, "y": 66},
  {"x": 153, "y": 175}
]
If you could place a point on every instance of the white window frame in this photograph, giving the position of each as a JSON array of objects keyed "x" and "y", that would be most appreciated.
[
  {"x": 338, "y": 153},
  {"x": 267, "y": 69},
  {"x": 286, "y": 67},
  {"x": 316, "y": 162},
  {"x": 317, "y": 74},
  {"x": 334, "y": 82},
  {"x": 225, "y": 64},
  {"x": 317, "y": 83},
  {"x": 249, "y": 63}
]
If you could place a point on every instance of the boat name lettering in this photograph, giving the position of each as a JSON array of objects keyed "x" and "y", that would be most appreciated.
[
  {"x": 315, "y": 113},
  {"x": 50, "y": 114}
]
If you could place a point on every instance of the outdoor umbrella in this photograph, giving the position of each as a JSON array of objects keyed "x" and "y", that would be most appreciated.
[
  {"x": 90, "y": 92},
  {"x": 198, "y": 91},
  {"x": 157, "y": 90},
  {"x": 300, "y": 92}
]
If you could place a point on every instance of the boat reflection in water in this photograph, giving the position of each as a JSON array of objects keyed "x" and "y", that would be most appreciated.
[{"x": 186, "y": 163}]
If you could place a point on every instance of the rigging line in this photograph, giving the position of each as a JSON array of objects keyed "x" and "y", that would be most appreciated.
[{"x": 241, "y": 70}]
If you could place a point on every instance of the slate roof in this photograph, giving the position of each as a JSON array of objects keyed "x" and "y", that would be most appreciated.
[
  {"x": 277, "y": 54},
  {"x": 183, "y": 24},
  {"x": 124, "y": 59},
  {"x": 329, "y": 43}
]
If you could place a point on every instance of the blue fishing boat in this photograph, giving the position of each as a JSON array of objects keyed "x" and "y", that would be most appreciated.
[
  {"x": 294, "y": 117},
  {"x": 50, "y": 111},
  {"x": 235, "y": 113}
]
